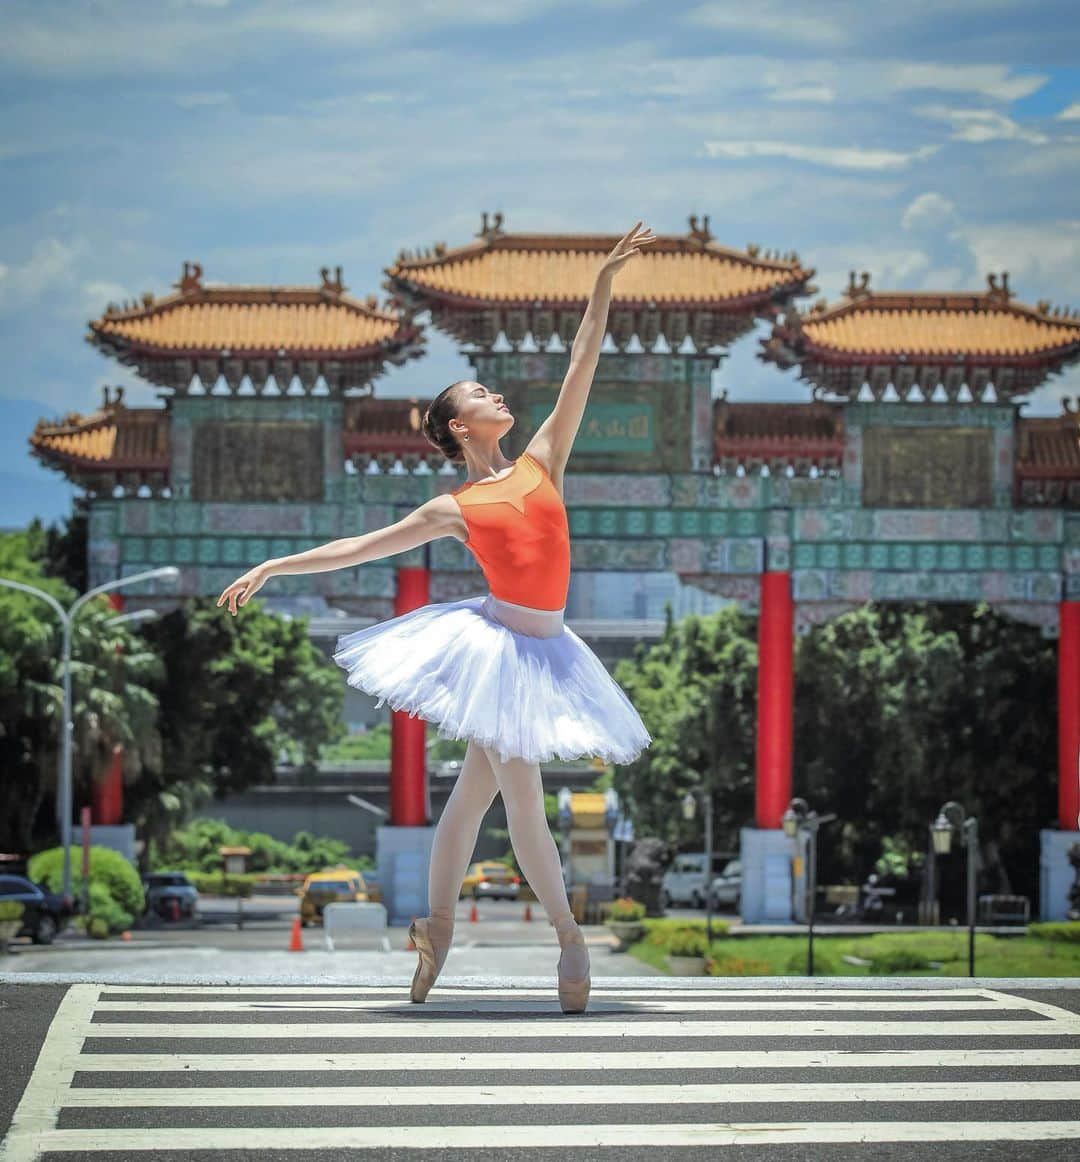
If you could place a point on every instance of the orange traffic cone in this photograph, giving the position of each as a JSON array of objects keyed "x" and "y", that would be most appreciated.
[
  {"x": 296, "y": 943},
  {"x": 473, "y": 914},
  {"x": 528, "y": 911}
]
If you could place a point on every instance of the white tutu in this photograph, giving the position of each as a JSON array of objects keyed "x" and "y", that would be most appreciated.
[{"x": 457, "y": 666}]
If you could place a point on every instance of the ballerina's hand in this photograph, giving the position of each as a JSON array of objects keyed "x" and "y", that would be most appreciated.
[
  {"x": 627, "y": 246},
  {"x": 244, "y": 588}
]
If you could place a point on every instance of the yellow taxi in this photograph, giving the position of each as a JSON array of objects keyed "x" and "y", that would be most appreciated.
[
  {"x": 489, "y": 879},
  {"x": 328, "y": 887}
]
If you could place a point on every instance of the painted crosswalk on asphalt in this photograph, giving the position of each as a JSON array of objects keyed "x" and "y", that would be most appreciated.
[{"x": 259, "y": 1070}]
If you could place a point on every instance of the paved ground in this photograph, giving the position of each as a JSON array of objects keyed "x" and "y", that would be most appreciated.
[{"x": 662, "y": 1068}]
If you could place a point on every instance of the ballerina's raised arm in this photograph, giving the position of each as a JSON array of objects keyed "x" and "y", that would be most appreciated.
[{"x": 555, "y": 436}]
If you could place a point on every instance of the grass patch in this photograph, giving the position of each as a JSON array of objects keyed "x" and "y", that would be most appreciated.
[{"x": 930, "y": 953}]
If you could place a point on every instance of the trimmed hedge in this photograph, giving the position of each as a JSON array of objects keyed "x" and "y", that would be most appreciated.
[
  {"x": 213, "y": 883},
  {"x": 1068, "y": 930}
]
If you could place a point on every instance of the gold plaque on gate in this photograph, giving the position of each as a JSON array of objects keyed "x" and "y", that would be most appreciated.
[
  {"x": 927, "y": 467},
  {"x": 237, "y": 460}
]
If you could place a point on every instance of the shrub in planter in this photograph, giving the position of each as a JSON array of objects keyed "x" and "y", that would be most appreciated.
[
  {"x": 104, "y": 908},
  {"x": 11, "y": 913},
  {"x": 107, "y": 867},
  {"x": 625, "y": 921},
  {"x": 625, "y": 908},
  {"x": 98, "y": 927}
]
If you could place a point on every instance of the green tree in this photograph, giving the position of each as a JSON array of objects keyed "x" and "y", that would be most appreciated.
[
  {"x": 112, "y": 699},
  {"x": 235, "y": 692},
  {"x": 696, "y": 692}
]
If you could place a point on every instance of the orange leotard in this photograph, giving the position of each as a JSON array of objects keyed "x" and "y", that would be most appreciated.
[{"x": 519, "y": 534}]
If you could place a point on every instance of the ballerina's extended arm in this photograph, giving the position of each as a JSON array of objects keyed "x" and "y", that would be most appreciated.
[
  {"x": 425, "y": 523},
  {"x": 555, "y": 436}
]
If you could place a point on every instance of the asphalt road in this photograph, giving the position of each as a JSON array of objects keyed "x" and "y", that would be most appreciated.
[{"x": 660, "y": 1068}]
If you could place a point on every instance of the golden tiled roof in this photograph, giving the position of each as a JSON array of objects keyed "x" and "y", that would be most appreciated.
[
  {"x": 373, "y": 426},
  {"x": 1049, "y": 446},
  {"x": 779, "y": 421},
  {"x": 871, "y": 323},
  {"x": 114, "y": 437},
  {"x": 251, "y": 320},
  {"x": 559, "y": 269}
]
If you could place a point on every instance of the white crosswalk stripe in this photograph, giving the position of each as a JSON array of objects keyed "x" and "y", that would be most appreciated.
[{"x": 142, "y": 1070}]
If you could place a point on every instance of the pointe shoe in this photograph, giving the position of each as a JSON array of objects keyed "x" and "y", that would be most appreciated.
[
  {"x": 573, "y": 990},
  {"x": 432, "y": 940}
]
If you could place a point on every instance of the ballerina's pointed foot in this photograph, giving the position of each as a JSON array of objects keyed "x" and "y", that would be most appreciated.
[
  {"x": 573, "y": 969},
  {"x": 432, "y": 939}
]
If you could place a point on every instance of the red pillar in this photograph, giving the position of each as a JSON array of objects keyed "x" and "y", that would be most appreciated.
[
  {"x": 107, "y": 793},
  {"x": 774, "y": 711},
  {"x": 1069, "y": 715},
  {"x": 408, "y": 759}
]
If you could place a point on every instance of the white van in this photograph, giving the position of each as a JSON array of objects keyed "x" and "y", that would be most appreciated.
[{"x": 684, "y": 882}]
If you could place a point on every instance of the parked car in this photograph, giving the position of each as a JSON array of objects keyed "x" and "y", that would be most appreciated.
[
  {"x": 684, "y": 882},
  {"x": 726, "y": 889},
  {"x": 340, "y": 884},
  {"x": 45, "y": 913},
  {"x": 170, "y": 895},
  {"x": 491, "y": 881}
]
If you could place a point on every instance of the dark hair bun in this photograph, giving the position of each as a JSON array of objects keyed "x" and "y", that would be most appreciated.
[{"x": 436, "y": 425}]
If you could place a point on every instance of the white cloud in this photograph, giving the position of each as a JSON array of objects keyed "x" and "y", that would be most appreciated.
[
  {"x": 130, "y": 36},
  {"x": 822, "y": 94},
  {"x": 1042, "y": 258},
  {"x": 996, "y": 82},
  {"x": 97, "y": 294},
  {"x": 982, "y": 125},
  {"x": 1055, "y": 160},
  {"x": 819, "y": 26},
  {"x": 50, "y": 267},
  {"x": 1070, "y": 112},
  {"x": 928, "y": 211},
  {"x": 839, "y": 157}
]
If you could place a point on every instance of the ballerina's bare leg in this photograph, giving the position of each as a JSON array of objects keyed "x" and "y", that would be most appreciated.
[
  {"x": 455, "y": 840},
  {"x": 537, "y": 854}
]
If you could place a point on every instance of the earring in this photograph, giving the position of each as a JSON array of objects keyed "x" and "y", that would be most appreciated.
[{"x": 466, "y": 435}]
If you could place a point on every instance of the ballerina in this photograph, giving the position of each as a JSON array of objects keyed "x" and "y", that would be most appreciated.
[{"x": 500, "y": 669}]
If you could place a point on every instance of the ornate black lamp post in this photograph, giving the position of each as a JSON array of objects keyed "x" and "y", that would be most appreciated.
[
  {"x": 798, "y": 818},
  {"x": 951, "y": 818},
  {"x": 64, "y": 806}
]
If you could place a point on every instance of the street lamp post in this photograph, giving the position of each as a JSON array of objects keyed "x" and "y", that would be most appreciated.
[
  {"x": 797, "y": 819},
  {"x": 689, "y": 806},
  {"x": 952, "y": 817},
  {"x": 67, "y": 616}
]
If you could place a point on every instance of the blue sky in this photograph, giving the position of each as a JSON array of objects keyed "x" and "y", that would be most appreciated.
[{"x": 928, "y": 143}]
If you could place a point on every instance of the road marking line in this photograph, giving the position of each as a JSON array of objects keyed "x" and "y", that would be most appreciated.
[
  {"x": 222, "y": 1097},
  {"x": 589, "y": 1027},
  {"x": 561, "y": 1061},
  {"x": 615, "y": 1134},
  {"x": 50, "y": 1080},
  {"x": 344, "y": 1004},
  {"x": 646, "y": 990}
]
